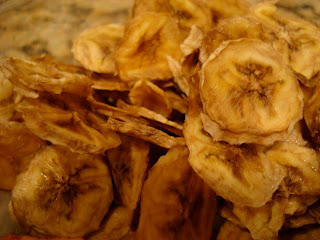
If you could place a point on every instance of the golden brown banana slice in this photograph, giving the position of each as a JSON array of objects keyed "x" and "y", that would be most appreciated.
[
  {"x": 249, "y": 94},
  {"x": 149, "y": 39},
  {"x": 29, "y": 77},
  {"x": 185, "y": 12},
  {"x": 129, "y": 163},
  {"x": 17, "y": 146},
  {"x": 66, "y": 128},
  {"x": 62, "y": 193},
  {"x": 242, "y": 174},
  {"x": 296, "y": 39},
  {"x": 311, "y": 115},
  {"x": 175, "y": 202},
  {"x": 116, "y": 226},
  {"x": 94, "y": 47},
  {"x": 146, "y": 94}
]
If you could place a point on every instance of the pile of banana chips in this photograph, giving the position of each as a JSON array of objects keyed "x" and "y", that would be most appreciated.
[{"x": 193, "y": 120}]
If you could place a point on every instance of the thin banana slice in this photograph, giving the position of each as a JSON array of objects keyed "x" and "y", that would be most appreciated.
[
  {"x": 149, "y": 39},
  {"x": 146, "y": 94},
  {"x": 185, "y": 12},
  {"x": 64, "y": 128},
  {"x": 249, "y": 94},
  {"x": 62, "y": 193},
  {"x": 30, "y": 77},
  {"x": 175, "y": 202},
  {"x": 242, "y": 174},
  {"x": 17, "y": 147},
  {"x": 94, "y": 47},
  {"x": 116, "y": 226},
  {"x": 296, "y": 39},
  {"x": 311, "y": 115},
  {"x": 129, "y": 164}
]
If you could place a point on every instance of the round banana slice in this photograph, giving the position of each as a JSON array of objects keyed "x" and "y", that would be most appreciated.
[
  {"x": 62, "y": 193},
  {"x": 241, "y": 174},
  {"x": 149, "y": 38},
  {"x": 249, "y": 94},
  {"x": 94, "y": 47}
]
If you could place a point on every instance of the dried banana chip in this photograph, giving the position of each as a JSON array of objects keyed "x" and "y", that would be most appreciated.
[
  {"x": 17, "y": 146},
  {"x": 146, "y": 94},
  {"x": 178, "y": 102},
  {"x": 242, "y": 174},
  {"x": 231, "y": 231},
  {"x": 64, "y": 128},
  {"x": 110, "y": 84},
  {"x": 116, "y": 226},
  {"x": 249, "y": 94},
  {"x": 175, "y": 202},
  {"x": 129, "y": 163},
  {"x": 149, "y": 39},
  {"x": 62, "y": 193},
  {"x": 228, "y": 8},
  {"x": 94, "y": 47},
  {"x": 45, "y": 74}
]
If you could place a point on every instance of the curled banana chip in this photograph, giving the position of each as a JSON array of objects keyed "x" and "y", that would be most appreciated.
[
  {"x": 46, "y": 74},
  {"x": 94, "y": 47},
  {"x": 249, "y": 94},
  {"x": 242, "y": 174},
  {"x": 175, "y": 202},
  {"x": 49, "y": 197},
  {"x": 146, "y": 94},
  {"x": 149, "y": 38}
]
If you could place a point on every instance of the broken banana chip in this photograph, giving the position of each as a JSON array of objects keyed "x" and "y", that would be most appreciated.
[
  {"x": 62, "y": 193},
  {"x": 175, "y": 202},
  {"x": 149, "y": 38},
  {"x": 249, "y": 94},
  {"x": 94, "y": 47}
]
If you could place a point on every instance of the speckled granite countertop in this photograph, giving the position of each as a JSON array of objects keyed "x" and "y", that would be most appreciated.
[{"x": 36, "y": 27}]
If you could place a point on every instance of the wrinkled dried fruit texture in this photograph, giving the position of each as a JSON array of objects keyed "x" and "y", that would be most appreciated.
[
  {"x": 227, "y": 8},
  {"x": 115, "y": 227},
  {"x": 6, "y": 98},
  {"x": 129, "y": 163},
  {"x": 231, "y": 231},
  {"x": 94, "y": 47},
  {"x": 146, "y": 94},
  {"x": 149, "y": 39},
  {"x": 62, "y": 193},
  {"x": 51, "y": 122},
  {"x": 242, "y": 174},
  {"x": 297, "y": 40},
  {"x": 249, "y": 94},
  {"x": 311, "y": 115},
  {"x": 185, "y": 12},
  {"x": 17, "y": 146},
  {"x": 175, "y": 202},
  {"x": 30, "y": 77},
  {"x": 230, "y": 29}
]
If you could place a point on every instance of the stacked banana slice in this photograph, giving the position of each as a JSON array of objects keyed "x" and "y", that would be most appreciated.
[{"x": 187, "y": 100}]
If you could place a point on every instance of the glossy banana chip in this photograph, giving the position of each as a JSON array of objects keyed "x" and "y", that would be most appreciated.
[
  {"x": 94, "y": 47},
  {"x": 129, "y": 163},
  {"x": 175, "y": 202},
  {"x": 62, "y": 193},
  {"x": 17, "y": 146},
  {"x": 146, "y": 94},
  {"x": 64, "y": 128},
  {"x": 241, "y": 174},
  {"x": 30, "y": 77},
  {"x": 185, "y": 12},
  {"x": 249, "y": 94},
  {"x": 149, "y": 38}
]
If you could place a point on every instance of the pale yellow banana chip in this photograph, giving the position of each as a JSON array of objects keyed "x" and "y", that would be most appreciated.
[
  {"x": 94, "y": 47},
  {"x": 249, "y": 94},
  {"x": 149, "y": 39}
]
